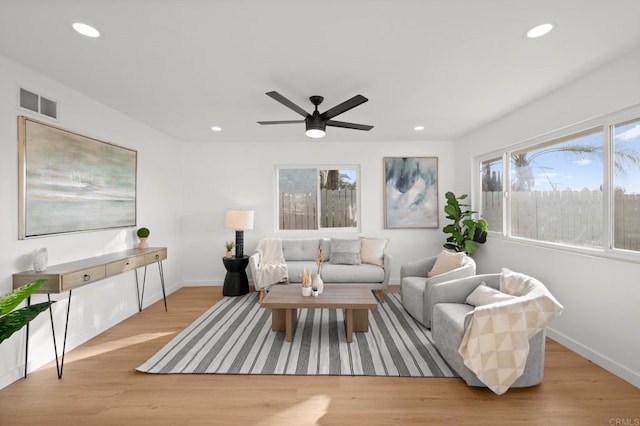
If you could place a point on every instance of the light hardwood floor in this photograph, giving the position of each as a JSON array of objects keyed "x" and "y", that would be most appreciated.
[{"x": 101, "y": 387}]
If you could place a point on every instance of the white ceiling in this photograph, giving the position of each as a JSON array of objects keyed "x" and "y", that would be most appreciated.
[{"x": 182, "y": 66}]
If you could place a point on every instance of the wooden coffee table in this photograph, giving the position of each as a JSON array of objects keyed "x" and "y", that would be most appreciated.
[{"x": 285, "y": 300}]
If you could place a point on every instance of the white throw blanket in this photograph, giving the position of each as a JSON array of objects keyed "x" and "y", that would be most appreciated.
[
  {"x": 495, "y": 345},
  {"x": 272, "y": 268}
]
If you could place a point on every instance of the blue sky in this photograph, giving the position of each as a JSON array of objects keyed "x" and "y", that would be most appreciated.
[{"x": 577, "y": 171}]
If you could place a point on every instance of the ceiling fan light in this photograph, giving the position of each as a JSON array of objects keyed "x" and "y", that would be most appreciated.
[
  {"x": 315, "y": 133},
  {"x": 315, "y": 127}
]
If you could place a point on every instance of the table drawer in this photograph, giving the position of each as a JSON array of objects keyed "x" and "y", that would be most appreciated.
[
  {"x": 155, "y": 256},
  {"x": 82, "y": 277},
  {"x": 120, "y": 266}
]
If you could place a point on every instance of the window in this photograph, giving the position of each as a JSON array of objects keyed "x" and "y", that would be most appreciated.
[
  {"x": 317, "y": 197},
  {"x": 578, "y": 187},
  {"x": 626, "y": 179},
  {"x": 556, "y": 191},
  {"x": 492, "y": 196}
]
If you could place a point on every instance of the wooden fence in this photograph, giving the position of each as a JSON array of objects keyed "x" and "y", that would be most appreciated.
[
  {"x": 338, "y": 209},
  {"x": 572, "y": 217}
]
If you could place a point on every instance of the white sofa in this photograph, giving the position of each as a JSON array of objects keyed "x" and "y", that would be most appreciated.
[{"x": 300, "y": 254}]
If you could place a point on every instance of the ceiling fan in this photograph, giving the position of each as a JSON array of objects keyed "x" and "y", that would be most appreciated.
[{"x": 316, "y": 122}]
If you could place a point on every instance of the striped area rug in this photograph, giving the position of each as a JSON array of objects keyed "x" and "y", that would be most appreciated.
[{"x": 234, "y": 337}]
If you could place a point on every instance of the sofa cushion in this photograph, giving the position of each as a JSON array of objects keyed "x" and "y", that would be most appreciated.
[
  {"x": 445, "y": 262},
  {"x": 485, "y": 295},
  {"x": 331, "y": 273},
  {"x": 364, "y": 273},
  {"x": 345, "y": 251},
  {"x": 300, "y": 248},
  {"x": 372, "y": 251}
]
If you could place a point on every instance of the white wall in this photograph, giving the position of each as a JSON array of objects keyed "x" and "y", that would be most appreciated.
[
  {"x": 101, "y": 305},
  {"x": 601, "y": 296},
  {"x": 221, "y": 176}
]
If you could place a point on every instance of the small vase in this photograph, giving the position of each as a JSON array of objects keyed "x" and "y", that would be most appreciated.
[
  {"x": 315, "y": 293},
  {"x": 40, "y": 259},
  {"x": 143, "y": 243},
  {"x": 318, "y": 284},
  {"x": 306, "y": 291}
]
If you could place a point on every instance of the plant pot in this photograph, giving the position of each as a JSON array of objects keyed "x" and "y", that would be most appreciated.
[
  {"x": 143, "y": 243},
  {"x": 228, "y": 255},
  {"x": 306, "y": 291}
]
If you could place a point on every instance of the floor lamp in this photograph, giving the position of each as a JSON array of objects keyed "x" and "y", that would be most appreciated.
[{"x": 239, "y": 220}]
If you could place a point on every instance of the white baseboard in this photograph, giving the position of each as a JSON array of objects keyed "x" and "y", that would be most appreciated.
[{"x": 597, "y": 358}]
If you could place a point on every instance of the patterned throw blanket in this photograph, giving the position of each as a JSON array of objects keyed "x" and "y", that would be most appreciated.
[
  {"x": 272, "y": 268},
  {"x": 495, "y": 345}
]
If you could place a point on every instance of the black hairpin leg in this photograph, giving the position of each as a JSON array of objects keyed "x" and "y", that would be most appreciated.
[
  {"x": 59, "y": 363},
  {"x": 164, "y": 294},
  {"x": 140, "y": 294}
]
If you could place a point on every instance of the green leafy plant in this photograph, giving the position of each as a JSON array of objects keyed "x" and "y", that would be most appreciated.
[
  {"x": 229, "y": 245},
  {"x": 13, "y": 320},
  {"x": 466, "y": 232},
  {"x": 143, "y": 233}
]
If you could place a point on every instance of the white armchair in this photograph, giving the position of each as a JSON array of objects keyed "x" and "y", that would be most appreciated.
[{"x": 415, "y": 286}]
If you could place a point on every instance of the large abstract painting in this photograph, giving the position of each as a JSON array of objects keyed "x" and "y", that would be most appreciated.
[
  {"x": 411, "y": 192},
  {"x": 72, "y": 183}
]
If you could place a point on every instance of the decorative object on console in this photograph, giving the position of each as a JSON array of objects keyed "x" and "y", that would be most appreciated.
[
  {"x": 143, "y": 234},
  {"x": 229, "y": 245},
  {"x": 466, "y": 232},
  {"x": 240, "y": 220},
  {"x": 89, "y": 184},
  {"x": 411, "y": 192},
  {"x": 40, "y": 260}
]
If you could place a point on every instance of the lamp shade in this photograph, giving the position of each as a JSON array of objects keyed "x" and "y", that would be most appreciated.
[{"x": 239, "y": 219}]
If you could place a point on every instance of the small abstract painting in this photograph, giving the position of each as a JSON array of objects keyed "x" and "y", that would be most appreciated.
[
  {"x": 72, "y": 183},
  {"x": 411, "y": 192}
]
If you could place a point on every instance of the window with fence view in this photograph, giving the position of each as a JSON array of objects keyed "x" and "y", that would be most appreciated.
[
  {"x": 317, "y": 197},
  {"x": 558, "y": 190}
]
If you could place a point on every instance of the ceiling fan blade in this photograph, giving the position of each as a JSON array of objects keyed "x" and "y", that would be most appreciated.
[
  {"x": 286, "y": 102},
  {"x": 281, "y": 122},
  {"x": 355, "y": 126},
  {"x": 345, "y": 106}
]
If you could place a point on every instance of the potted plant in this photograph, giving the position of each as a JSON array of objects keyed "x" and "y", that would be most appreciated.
[
  {"x": 143, "y": 234},
  {"x": 229, "y": 245},
  {"x": 466, "y": 232},
  {"x": 13, "y": 320}
]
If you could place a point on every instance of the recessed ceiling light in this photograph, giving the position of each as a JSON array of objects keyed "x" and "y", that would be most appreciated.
[
  {"x": 539, "y": 30},
  {"x": 418, "y": 128},
  {"x": 86, "y": 30},
  {"x": 216, "y": 128}
]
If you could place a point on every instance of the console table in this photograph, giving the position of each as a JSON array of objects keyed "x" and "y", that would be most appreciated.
[{"x": 68, "y": 276}]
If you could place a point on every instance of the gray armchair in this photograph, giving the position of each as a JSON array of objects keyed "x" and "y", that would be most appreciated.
[
  {"x": 451, "y": 317},
  {"x": 415, "y": 286}
]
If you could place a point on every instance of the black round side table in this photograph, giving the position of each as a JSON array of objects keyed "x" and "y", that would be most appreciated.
[{"x": 236, "y": 282}]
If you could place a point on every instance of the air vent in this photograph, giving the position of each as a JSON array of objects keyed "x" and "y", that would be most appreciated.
[{"x": 38, "y": 104}]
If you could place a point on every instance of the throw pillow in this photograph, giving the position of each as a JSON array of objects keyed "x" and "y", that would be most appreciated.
[
  {"x": 345, "y": 251},
  {"x": 372, "y": 251},
  {"x": 445, "y": 262},
  {"x": 485, "y": 295}
]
